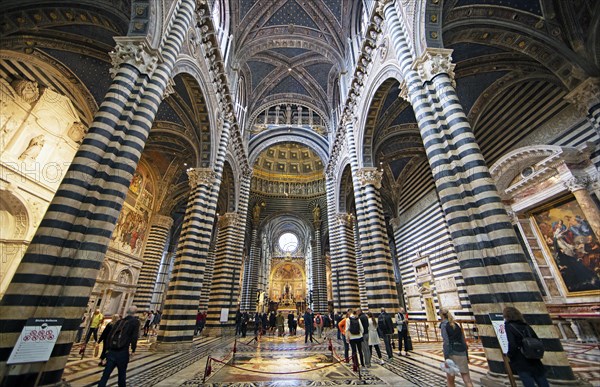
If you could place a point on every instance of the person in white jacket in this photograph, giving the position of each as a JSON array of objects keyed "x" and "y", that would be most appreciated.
[
  {"x": 374, "y": 336},
  {"x": 354, "y": 336}
]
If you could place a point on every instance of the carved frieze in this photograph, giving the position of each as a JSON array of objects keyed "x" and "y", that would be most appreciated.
[
  {"x": 577, "y": 183},
  {"x": 586, "y": 95},
  {"x": 228, "y": 219},
  {"x": 162, "y": 220}
]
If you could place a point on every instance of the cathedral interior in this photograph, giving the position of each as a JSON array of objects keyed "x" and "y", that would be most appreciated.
[{"x": 227, "y": 156}]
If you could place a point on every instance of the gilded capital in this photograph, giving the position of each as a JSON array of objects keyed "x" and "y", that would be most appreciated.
[
  {"x": 585, "y": 95},
  {"x": 435, "y": 61},
  {"x": 201, "y": 176},
  {"x": 136, "y": 53},
  {"x": 228, "y": 219},
  {"x": 369, "y": 176},
  {"x": 344, "y": 219}
]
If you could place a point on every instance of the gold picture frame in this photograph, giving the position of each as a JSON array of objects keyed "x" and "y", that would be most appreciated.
[{"x": 571, "y": 245}]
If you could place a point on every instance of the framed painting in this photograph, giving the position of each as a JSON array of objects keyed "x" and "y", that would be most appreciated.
[{"x": 573, "y": 246}]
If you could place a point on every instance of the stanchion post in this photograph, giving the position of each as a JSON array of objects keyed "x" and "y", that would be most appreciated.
[
  {"x": 511, "y": 377},
  {"x": 207, "y": 370}
]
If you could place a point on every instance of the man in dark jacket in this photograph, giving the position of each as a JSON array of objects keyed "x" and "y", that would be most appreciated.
[
  {"x": 118, "y": 354},
  {"x": 309, "y": 321},
  {"x": 386, "y": 326}
]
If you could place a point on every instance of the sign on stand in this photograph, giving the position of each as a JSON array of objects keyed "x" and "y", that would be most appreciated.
[
  {"x": 498, "y": 324},
  {"x": 36, "y": 341},
  {"x": 224, "y": 315}
]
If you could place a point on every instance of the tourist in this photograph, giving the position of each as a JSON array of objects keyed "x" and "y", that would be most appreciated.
[
  {"x": 198, "y": 319},
  {"x": 245, "y": 318},
  {"x": 530, "y": 371},
  {"x": 364, "y": 320},
  {"x": 123, "y": 335},
  {"x": 402, "y": 327},
  {"x": 257, "y": 324},
  {"x": 342, "y": 328},
  {"x": 272, "y": 322},
  {"x": 455, "y": 347},
  {"x": 156, "y": 322},
  {"x": 104, "y": 338},
  {"x": 386, "y": 327},
  {"x": 97, "y": 319},
  {"x": 279, "y": 321},
  {"x": 149, "y": 318},
  {"x": 354, "y": 336},
  {"x": 308, "y": 325},
  {"x": 374, "y": 336},
  {"x": 319, "y": 324},
  {"x": 290, "y": 321},
  {"x": 337, "y": 318},
  {"x": 265, "y": 323},
  {"x": 238, "y": 322}
]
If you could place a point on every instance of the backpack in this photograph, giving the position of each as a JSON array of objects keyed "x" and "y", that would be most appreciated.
[
  {"x": 318, "y": 320},
  {"x": 354, "y": 326},
  {"x": 532, "y": 348},
  {"x": 118, "y": 337}
]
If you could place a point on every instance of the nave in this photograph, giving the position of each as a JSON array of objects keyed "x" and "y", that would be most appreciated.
[{"x": 288, "y": 361}]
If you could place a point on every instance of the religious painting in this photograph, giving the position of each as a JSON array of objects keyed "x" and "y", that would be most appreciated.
[
  {"x": 136, "y": 183},
  {"x": 130, "y": 231},
  {"x": 567, "y": 236}
]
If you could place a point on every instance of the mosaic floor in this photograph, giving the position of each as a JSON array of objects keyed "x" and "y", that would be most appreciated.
[{"x": 288, "y": 361}]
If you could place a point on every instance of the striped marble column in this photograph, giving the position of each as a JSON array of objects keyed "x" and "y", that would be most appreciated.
[
  {"x": 360, "y": 271},
  {"x": 160, "y": 226},
  {"x": 183, "y": 294},
  {"x": 319, "y": 276},
  {"x": 57, "y": 273},
  {"x": 492, "y": 263},
  {"x": 345, "y": 277},
  {"x": 208, "y": 272},
  {"x": 225, "y": 288},
  {"x": 250, "y": 281},
  {"x": 375, "y": 249}
]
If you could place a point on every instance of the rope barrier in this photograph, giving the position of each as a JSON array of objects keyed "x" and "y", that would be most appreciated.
[
  {"x": 274, "y": 348},
  {"x": 276, "y": 373}
]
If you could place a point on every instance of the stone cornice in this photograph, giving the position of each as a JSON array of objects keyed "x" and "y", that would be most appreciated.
[
  {"x": 577, "y": 183},
  {"x": 162, "y": 220},
  {"x": 228, "y": 219},
  {"x": 435, "y": 61},
  {"x": 344, "y": 219}
]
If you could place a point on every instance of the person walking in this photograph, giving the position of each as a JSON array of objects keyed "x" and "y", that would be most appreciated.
[
  {"x": 148, "y": 322},
  {"x": 364, "y": 320},
  {"x": 104, "y": 338},
  {"x": 530, "y": 371},
  {"x": 97, "y": 319},
  {"x": 124, "y": 334},
  {"x": 279, "y": 321},
  {"x": 402, "y": 327},
  {"x": 374, "y": 336},
  {"x": 342, "y": 328},
  {"x": 245, "y": 318},
  {"x": 386, "y": 326},
  {"x": 156, "y": 322},
  {"x": 309, "y": 321},
  {"x": 198, "y": 320},
  {"x": 354, "y": 336},
  {"x": 455, "y": 347},
  {"x": 290, "y": 321},
  {"x": 238, "y": 322}
]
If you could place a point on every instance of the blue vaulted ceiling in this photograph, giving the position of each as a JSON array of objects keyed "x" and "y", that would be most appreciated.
[
  {"x": 291, "y": 13},
  {"x": 532, "y": 6}
]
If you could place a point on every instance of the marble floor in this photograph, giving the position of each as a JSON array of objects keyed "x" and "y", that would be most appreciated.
[{"x": 288, "y": 361}]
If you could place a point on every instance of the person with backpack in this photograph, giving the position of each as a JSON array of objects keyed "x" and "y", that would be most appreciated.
[
  {"x": 124, "y": 334},
  {"x": 104, "y": 338},
  {"x": 319, "y": 324},
  {"x": 454, "y": 347},
  {"x": 337, "y": 318},
  {"x": 386, "y": 327},
  {"x": 525, "y": 349},
  {"x": 364, "y": 320},
  {"x": 354, "y": 336},
  {"x": 342, "y": 327}
]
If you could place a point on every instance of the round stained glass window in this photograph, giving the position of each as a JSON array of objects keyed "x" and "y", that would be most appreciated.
[{"x": 288, "y": 242}]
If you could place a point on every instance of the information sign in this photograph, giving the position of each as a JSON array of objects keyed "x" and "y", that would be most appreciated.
[
  {"x": 224, "y": 315},
  {"x": 498, "y": 324},
  {"x": 36, "y": 341}
]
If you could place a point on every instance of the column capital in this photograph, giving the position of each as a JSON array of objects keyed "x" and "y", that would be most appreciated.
[
  {"x": 576, "y": 183},
  {"x": 162, "y": 220},
  {"x": 348, "y": 119},
  {"x": 344, "y": 219},
  {"x": 395, "y": 223},
  {"x": 228, "y": 219},
  {"x": 381, "y": 4},
  {"x": 135, "y": 52},
  {"x": 204, "y": 176},
  {"x": 585, "y": 95},
  {"x": 369, "y": 176},
  {"x": 435, "y": 61}
]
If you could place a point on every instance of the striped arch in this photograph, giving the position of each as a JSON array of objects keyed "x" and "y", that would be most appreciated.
[
  {"x": 303, "y": 136},
  {"x": 368, "y": 117}
]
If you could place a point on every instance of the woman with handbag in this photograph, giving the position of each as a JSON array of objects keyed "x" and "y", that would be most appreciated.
[
  {"x": 531, "y": 371},
  {"x": 455, "y": 347}
]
